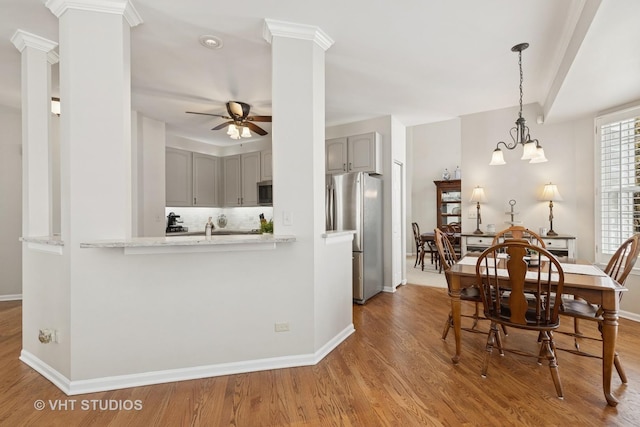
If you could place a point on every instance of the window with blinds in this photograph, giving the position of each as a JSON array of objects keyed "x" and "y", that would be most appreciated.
[{"x": 619, "y": 180}]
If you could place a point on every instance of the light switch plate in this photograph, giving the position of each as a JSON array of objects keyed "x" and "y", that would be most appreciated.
[{"x": 287, "y": 218}]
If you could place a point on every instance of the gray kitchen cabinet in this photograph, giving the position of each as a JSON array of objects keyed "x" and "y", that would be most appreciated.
[
  {"x": 250, "y": 178},
  {"x": 191, "y": 179},
  {"x": 178, "y": 177},
  {"x": 266, "y": 165},
  {"x": 206, "y": 180},
  {"x": 241, "y": 175},
  {"x": 357, "y": 153},
  {"x": 232, "y": 181},
  {"x": 336, "y": 153}
]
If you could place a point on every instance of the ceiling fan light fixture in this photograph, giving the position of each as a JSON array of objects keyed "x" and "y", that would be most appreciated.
[
  {"x": 232, "y": 130},
  {"x": 245, "y": 132},
  {"x": 211, "y": 42}
]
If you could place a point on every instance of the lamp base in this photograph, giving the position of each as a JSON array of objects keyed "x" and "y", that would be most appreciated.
[
  {"x": 551, "y": 233},
  {"x": 478, "y": 231}
]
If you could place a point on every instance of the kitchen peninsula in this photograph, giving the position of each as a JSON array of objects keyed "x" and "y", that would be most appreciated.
[{"x": 182, "y": 307}]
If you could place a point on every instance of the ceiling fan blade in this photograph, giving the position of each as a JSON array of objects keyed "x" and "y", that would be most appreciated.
[
  {"x": 257, "y": 129},
  {"x": 223, "y": 125},
  {"x": 259, "y": 118},
  {"x": 208, "y": 114}
]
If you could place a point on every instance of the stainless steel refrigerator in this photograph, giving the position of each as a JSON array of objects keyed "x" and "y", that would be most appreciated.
[{"x": 354, "y": 202}]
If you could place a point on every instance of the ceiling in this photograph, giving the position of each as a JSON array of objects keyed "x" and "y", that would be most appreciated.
[{"x": 421, "y": 61}]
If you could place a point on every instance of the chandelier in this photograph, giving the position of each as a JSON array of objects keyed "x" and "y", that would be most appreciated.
[{"x": 520, "y": 133}]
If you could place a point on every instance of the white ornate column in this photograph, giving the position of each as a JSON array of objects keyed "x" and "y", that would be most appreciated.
[
  {"x": 297, "y": 55},
  {"x": 37, "y": 58},
  {"x": 95, "y": 124}
]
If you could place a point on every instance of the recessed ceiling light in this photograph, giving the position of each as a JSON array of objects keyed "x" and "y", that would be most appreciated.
[{"x": 212, "y": 42}]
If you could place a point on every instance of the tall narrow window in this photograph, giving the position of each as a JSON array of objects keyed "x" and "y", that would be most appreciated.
[{"x": 619, "y": 138}]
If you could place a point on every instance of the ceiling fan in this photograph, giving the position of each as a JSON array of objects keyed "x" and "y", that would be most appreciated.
[{"x": 240, "y": 122}]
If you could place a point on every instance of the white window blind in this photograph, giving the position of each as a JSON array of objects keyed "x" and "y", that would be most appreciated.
[{"x": 619, "y": 180}]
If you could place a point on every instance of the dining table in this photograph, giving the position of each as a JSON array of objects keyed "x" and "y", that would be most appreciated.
[
  {"x": 581, "y": 279},
  {"x": 428, "y": 238}
]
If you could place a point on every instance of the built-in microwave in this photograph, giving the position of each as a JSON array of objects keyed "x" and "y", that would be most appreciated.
[{"x": 265, "y": 193}]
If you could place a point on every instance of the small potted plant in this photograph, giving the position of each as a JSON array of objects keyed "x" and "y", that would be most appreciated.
[{"x": 266, "y": 227}]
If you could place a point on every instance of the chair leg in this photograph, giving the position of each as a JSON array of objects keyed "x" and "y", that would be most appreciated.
[
  {"x": 576, "y": 326},
  {"x": 547, "y": 351},
  {"x": 618, "y": 365},
  {"x": 448, "y": 325},
  {"x": 491, "y": 339},
  {"x": 504, "y": 330},
  {"x": 417, "y": 256}
]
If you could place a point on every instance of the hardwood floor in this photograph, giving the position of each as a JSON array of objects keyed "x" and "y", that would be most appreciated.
[{"x": 394, "y": 371}]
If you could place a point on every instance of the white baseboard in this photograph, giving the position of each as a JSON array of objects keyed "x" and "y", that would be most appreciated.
[
  {"x": 14, "y": 297},
  {"x": 629, "y": 315},
  {"x": 158, "y": 377}
]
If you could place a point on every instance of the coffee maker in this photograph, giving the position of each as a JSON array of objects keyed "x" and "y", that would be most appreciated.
[{"x": 174, "y": 223}]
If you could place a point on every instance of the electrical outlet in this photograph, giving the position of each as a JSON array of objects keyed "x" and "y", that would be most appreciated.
[
  {"x": 282, "y": 327},
  {"x": 472, "y": 213},
  {"x": 46, "y": 336}
]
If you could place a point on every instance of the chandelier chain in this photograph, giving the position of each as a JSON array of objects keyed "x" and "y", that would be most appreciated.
[{"x": 521, "y": 77}]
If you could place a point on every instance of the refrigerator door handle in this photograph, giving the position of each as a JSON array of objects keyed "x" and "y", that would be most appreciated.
[{"x": 329, "y": 207}]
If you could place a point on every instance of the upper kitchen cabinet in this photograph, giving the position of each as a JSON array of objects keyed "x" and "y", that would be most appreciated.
[
  {"x": 241, "y": 176},
  {"x": 206, "y": 180},
  {"x": 192, "y": 179},
  {"x": 358, "y": 153},
  {"x": 266, "y": 165},
  {"x": 179, "y": 177}
]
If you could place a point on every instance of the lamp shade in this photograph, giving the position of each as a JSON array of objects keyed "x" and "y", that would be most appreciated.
[
  {"x": 245, "y": 132},
  {"x": 232, "y": 130},
  {"x": 497, "y": 158},
  {"x": 550, "y": 193},
  {"x": 539, "y": 157},
  {"x": 478, "y": 195},
  {"x": 529, "y": 151}
]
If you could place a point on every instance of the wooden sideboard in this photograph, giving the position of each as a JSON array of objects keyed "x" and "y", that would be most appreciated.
[{"x": 560, "y": 245}]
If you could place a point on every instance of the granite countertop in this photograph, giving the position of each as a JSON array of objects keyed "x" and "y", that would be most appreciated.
[
  {"x": 186, "y": 240},
  {"x": 215, "y": 232}
]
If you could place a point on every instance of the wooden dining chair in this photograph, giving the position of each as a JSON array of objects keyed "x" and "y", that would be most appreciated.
[
  {"x": 448, "y": 257},
  {"x": 506, "y": 283},
  {"x": 419, "y": 243},
  {"x": 618, "y": 268},
  {"x": 518, "y": 232},
  {"x": 452, "y": 232}
]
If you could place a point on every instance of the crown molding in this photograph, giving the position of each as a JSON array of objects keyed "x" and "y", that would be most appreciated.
[
  {"x": 273, "y": 28},
  {"x": 119, "y": 7},
  {"x": 53, "y": 57},
  {"x": 22, "y": 39}
]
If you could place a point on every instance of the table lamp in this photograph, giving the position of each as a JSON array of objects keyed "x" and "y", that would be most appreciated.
[
  {"x": 551, "y": 193},
  {"x": 478, "y": 196}
]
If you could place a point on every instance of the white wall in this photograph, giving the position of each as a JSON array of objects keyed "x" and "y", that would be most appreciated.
[
  {"x": 568, "y": 146},
  {"x": 10, "y": 203},
  {"x": 434, "y": 147},
  {"x": 148, "y": 188}
]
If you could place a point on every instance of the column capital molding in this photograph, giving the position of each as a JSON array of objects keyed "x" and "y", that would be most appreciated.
[
  {"x": 53, "y": 57},
  {"x": 273, "y": 28},
  {"x": 22, "y": 39},
  {"x": 119, "y": 7}
]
